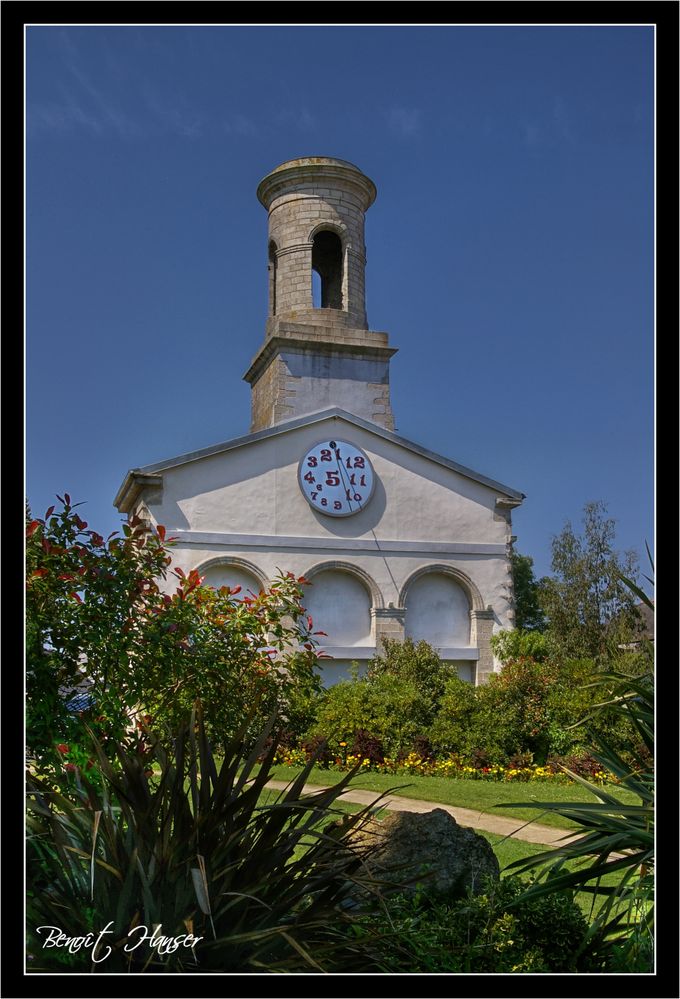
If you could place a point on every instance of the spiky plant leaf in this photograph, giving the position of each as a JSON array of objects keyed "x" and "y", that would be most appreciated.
[{"x": 271, "y": 876}]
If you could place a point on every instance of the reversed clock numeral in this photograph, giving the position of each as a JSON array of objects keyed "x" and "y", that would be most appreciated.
[
  {"x": 326, "y": 455},
  {"x": 332, "y": 479},
  {"x": 324, "y": 502},
  {"x": 337, "y": 505},
  {"x": 314, "y": 495},
  {"x": 359, "y": 462},
  {"x": 357, "y": 497},
  {"x": 311, "y": 461},
  {"x": 309, "y": 477}
]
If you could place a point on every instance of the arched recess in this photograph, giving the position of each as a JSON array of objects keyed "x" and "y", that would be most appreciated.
[
  {"x": 438, "y": 600},
  {"x": 339, "y": 601},
  {"x": 328, "y": 261},
  {"x": 473, "y": 594},
  {"x": 232, "y": 572}
]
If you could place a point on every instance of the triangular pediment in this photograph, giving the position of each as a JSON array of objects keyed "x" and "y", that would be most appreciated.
[{"x": 148, "y": 474}]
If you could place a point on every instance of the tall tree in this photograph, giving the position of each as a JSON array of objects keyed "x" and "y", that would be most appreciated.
[
  {"x": 529, "y": 614},
  {"x": 589, "y": 608}
]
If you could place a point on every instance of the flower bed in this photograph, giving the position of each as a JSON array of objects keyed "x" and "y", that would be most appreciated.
[{"x": 449, "y": 766}]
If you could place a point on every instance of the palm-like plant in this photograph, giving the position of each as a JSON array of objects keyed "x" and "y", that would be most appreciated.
[
  {"x": 172, "y": 840},
  {"x": 615, "y": 839}
]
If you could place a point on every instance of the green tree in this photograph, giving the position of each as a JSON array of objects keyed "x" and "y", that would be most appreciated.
[
  {"x": 415, "y": 663},
  {"x": 516, "y": 643},
  {"x": 388, "y": 708},
  {"x": 456, "y": 727},
  {"x": 589, "y": 610},
  {"x": 612, "y": 839},
  {"x": 529, "y": 614}
]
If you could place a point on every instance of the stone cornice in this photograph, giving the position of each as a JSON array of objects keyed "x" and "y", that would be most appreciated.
[
  {"x": 327, "y": 346},
  {"x": 384, "y": 546},
  {"x": 134, "y": 483}
]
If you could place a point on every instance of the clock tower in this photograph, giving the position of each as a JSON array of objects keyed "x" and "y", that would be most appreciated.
[
  {"x": 318, "y": 350},
  {"x": 394, "y": 540}
]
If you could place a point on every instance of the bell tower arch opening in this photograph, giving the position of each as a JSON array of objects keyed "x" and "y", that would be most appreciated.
[
  {"x": 327, "y": 263},
  {"x": 272, "y": 277}
]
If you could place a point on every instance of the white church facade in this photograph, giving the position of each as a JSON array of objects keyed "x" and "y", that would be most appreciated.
[{"x": 395, "y": 540}]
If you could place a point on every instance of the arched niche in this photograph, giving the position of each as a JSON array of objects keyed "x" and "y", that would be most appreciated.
[
  {"x": 232, "y": 573},
  {"x": 437, "y": 609},
  {"x": 339, "y": 601}
]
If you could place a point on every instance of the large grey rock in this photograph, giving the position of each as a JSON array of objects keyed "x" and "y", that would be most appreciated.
[{"x": 428, "y": 849}]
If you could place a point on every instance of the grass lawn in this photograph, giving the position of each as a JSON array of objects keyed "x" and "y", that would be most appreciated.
[
  {"x": 506, "y": 850},
  {"x": 475, "y": 794}
]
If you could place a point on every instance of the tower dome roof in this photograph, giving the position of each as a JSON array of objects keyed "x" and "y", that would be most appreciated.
[{"x": 325, "y": 170}]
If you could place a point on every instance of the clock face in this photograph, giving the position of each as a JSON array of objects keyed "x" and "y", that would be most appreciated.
[{"x": 336, "y": 478}]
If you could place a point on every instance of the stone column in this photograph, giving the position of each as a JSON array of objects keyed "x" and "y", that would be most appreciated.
[
  {"x": 388, "y": 622},
  {"x": 481, "y": 629}
]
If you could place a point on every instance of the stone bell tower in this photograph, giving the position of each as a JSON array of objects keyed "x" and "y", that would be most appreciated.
[{"x": 318, "y": 354}]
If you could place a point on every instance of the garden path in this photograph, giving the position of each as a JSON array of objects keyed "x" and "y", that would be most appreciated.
[{"x": 530, "y": 832}]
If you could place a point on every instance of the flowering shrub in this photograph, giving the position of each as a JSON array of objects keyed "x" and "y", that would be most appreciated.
[
  {"x": 366, "y": 745},
  {"x": 149, "y": 636}
]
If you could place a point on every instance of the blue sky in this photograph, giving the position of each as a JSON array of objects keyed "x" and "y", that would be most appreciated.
[{"x": 510, "y": 249}]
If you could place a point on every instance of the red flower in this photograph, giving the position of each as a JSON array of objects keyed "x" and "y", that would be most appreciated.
[
  {"x": 71, "y": 767},
  {"x": 63, "y": 748}
]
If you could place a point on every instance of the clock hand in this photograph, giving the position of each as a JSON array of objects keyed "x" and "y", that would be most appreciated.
[{"x": 344, "y": 477}]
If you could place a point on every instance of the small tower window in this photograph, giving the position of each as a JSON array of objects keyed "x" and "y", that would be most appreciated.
[
  {"x": 327, "y": 263},
  {"x": 272, "y": 278}
]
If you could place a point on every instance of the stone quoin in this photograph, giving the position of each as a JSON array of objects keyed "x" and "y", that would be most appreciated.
[{"x": 395, "y": 540}]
